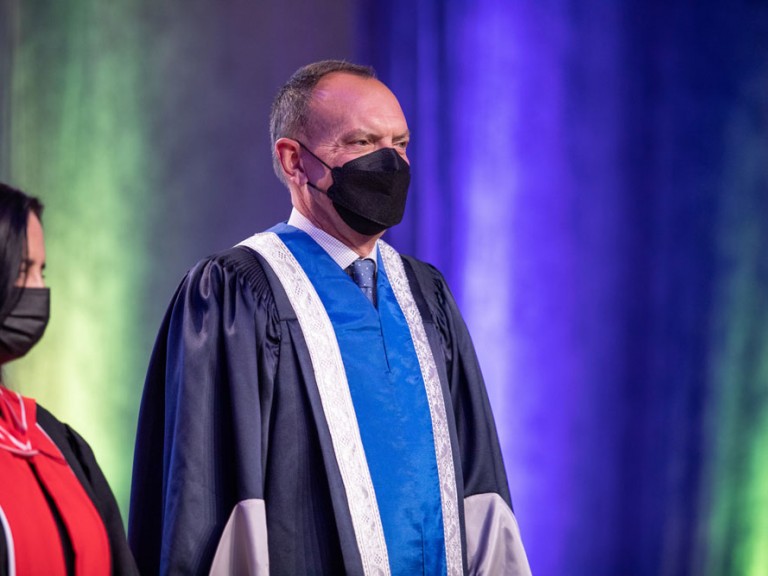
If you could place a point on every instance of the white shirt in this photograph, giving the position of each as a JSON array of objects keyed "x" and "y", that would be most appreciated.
[{"x": 342, "y": 254}]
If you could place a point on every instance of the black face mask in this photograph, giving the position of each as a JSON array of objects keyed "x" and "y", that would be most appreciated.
[
  {"x": 369, "y": 192},
  {"x": 25, "y": 323}
]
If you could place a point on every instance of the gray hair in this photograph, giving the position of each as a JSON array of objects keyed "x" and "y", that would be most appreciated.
[{"x": 288, "y": 117}]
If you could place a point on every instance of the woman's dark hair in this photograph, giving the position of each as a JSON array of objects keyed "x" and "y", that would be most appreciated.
[{"x": 15, "y": 207}]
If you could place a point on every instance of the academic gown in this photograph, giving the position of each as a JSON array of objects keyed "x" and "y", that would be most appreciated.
[{"x": 232, "y": 435}]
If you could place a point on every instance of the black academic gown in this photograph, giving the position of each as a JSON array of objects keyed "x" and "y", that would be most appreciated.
[{"x": 230, "y": 412}]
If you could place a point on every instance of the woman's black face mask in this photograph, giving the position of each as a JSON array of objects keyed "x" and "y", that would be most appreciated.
[
  {"x": 369, "y": 192},
  {"x": 25, "y": 323}
]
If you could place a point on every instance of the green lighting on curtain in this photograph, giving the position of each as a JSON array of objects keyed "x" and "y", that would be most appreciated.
[
  {"x": 78, "y": 141},
  {"x": 737, "y": 539}
]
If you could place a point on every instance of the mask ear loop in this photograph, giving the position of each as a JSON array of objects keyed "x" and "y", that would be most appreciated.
[{"x": 316, "y": 157}]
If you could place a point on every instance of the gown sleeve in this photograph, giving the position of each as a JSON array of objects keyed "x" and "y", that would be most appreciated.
[
  {"x": 204, "y": 414},
  {"x": 493, "y": 541}
]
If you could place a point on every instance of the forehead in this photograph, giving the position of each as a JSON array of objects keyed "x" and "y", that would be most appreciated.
[{"x": 342, "y": 101}]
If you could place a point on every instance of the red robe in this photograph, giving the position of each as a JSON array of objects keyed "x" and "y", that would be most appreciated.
[{"x": 46, "y": 514}]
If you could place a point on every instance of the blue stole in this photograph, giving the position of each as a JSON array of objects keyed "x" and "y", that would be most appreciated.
[{"x": 390, "y": 403}]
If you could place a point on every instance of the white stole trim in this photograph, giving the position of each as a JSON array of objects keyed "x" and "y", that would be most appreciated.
[
  {"x": 335, "y": 397},
  {"x": 393, "y": 265},
  {"x": 9, "y": 543}
]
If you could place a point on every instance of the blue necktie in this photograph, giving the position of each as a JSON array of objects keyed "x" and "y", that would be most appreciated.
[{"x": 362, "y": 271}]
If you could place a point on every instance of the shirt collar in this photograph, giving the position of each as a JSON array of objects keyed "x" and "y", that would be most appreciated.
[{"x": 342, "y": 254}]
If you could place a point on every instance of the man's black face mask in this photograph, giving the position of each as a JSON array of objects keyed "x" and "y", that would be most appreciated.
[{"x": 369, "y": 192}]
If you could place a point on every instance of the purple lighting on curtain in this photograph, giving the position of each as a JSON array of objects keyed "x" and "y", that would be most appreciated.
[
  {"x": 535, "y": 103},
  {"x": 485, "y": 181},
  {"x": 515, "y": 120}
]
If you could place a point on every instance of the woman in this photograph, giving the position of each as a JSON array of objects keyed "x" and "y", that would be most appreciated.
[{"x": 57, "y": 512}]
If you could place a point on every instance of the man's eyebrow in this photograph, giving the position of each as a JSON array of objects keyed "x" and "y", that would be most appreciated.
[{"x": 358, "y": 133}]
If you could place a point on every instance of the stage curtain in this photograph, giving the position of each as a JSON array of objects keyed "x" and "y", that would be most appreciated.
[{"x": 593, "y": 179}]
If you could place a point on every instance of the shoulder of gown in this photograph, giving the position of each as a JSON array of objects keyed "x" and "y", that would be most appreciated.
[{"x": 208, "y": 384}]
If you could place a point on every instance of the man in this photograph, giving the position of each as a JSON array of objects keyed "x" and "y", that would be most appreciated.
[{"x": 314, "y": 404}]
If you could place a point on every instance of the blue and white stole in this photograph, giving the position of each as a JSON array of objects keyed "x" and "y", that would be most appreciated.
[{"x": 383, "y": 402}]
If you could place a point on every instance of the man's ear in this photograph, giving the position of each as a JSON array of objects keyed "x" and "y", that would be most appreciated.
[{"x": 287, "y": 151}]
